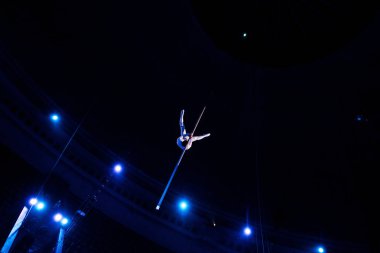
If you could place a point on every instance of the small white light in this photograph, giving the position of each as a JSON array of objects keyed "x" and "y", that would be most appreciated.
[
  {"x": 247, "y": 231},
  {"x": 40, "y": 206},
  {"x": 118, "y": 168},
  {"x": 33, "y": 201},
  {"x": 64, "y": 221},
  {"x": 58, "y": 217},
  {"x": 183, "y": 205},
  {"x": 54, "y": 117}
]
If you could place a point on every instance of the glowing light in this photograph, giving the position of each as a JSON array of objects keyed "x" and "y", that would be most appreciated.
[
  {"x": 157, "y": 207},
  {"x": 321, "y": 250},
  {"x": 359, "y": 118},
  {"x": 58, "y": 217},
  {"x": 118, "y": 168},
  {"x": 33, "y": 201},
  {"x": 40, "y": 205},
  {"x": 247, "y": 231},
  {"x": 183, "y": 205},
  {"x": 244, "y": 35},
  {"x": 64, "y": 221},
  {"x": 54, "y": 117}
]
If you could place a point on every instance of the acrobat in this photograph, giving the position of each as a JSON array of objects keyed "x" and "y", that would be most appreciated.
[{"x": 185, "y": 140}]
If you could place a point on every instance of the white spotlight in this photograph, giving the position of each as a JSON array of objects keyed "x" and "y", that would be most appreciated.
[{"x": 58, "y": 217}]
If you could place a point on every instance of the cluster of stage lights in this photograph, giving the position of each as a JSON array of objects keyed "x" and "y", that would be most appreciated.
[
  {"x": 58, "y": 217},
  {"x": 183, "y": 204},
  {"x": 39, "y": 205}
]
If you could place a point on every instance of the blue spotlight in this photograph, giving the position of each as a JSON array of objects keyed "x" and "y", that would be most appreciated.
[
  {"x": 118, "y": 168},
  {"x": 64, "y": 221},
  {"x": 320, "y": 249},
  {"x": 33, "y": 201},
  {"x": 54, "y": 117},
  {"x": 247, "y": 231},
  {"x": 40, "y": 205},
  {"x": 57, "y": 217},
  {"x": 183, "y": 205},
  {"x": 360, "y": 118}
]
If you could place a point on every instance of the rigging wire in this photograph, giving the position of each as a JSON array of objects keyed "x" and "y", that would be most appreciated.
[{"x": 258, "y": 185}]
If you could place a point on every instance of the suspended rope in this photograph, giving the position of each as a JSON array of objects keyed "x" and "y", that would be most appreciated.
[{"x": 178, "y": 163}]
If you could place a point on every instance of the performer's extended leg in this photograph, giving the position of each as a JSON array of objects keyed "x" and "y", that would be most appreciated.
[
  {"x": 197, "y": 138},
  {"x": 182, "y": 124}
]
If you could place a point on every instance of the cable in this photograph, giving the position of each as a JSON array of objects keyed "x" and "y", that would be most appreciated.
[{"x": 257, "y": 167}]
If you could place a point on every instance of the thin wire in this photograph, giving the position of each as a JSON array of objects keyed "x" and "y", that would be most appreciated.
[
  {"x": 259, "y": 204},
  {"x": 257, "y": 245},
  {"x": 60, "y": 156},
  {"x": 204, "y": 108},
  {"x": 257, "y": 167}
]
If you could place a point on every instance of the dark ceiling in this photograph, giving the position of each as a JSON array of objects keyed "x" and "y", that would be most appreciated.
[{"x": 280, "y": 33}]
